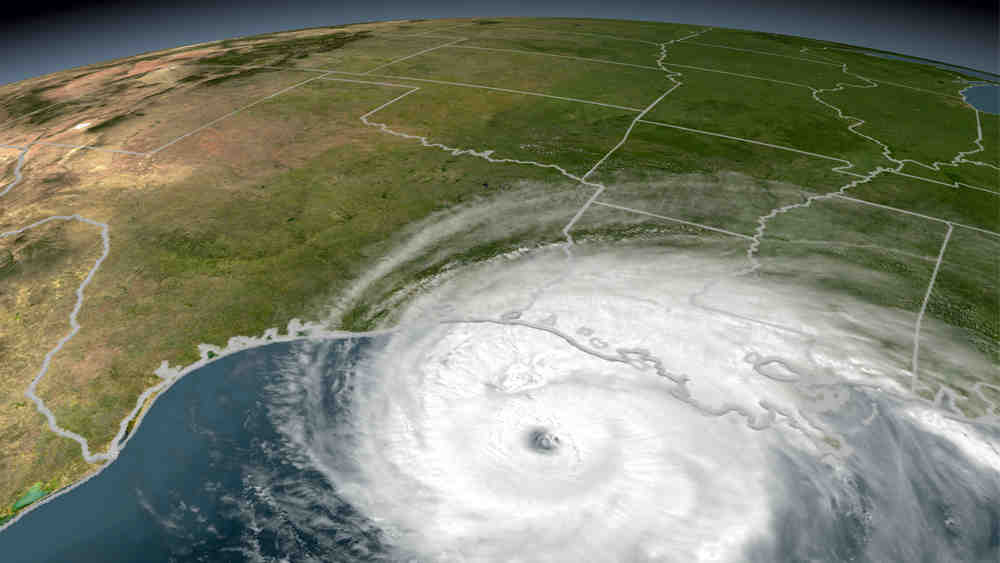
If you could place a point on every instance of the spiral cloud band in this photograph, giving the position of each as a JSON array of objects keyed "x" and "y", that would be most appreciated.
[{"x": 614, "y": 416}]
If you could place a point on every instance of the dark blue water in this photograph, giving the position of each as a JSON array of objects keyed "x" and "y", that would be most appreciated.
[
  {"x": 184, "y": 488},
  {"x": 985, "y": 98},
  {"x": 945, "y": 66},
  {"x": 210, "y": 476}
]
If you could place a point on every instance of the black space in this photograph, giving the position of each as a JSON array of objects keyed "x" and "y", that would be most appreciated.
[{"x": 42, "y": 37}]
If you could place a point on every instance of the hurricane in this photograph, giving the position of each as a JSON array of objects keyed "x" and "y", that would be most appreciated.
[{"x": 637, "y": 403}]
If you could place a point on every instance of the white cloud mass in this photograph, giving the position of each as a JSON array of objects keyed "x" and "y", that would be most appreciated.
[{"x": 669, "y": 431}]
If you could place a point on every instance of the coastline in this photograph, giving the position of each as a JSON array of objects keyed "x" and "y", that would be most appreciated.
[
  {"x": 296, "y": 330},
  {"x": 972, "y": 85}
]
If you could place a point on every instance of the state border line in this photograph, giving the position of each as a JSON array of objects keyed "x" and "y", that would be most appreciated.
[
  {"x": 494, "y": 88},
  {"x": 454, "y": 44},
  {"x": 741, "y": 139},
  {"x": 417, "y": 54},
  {"x": 555, "y": 55},
  {"x": 234, "y": 112},
  {"x": 716, "y": 70},
  {"x": 927, "y": 63},
  {"x": 90, "y": 148},
  {"x": 672, "y": 219},
  {"x": 18, "y": 175},
  {"x": 602, "y": 35},
  {"x": 718, "y": 46},
  {"x": 915, "y": 214},
  {"x": 153, "y": 151},
  {"x": 75, "y": 326},
  {"x": 764, "y": 53},
  {"x": 956, "y": 185},
  {"x": 609, "y": 62},
  {"x": 839, "y": 196},
  {"x": 326, "y": 75},
  {"x": 914, "y": 364},
  {"x": 47, "y": 107},
  {"x": 898, "y": 85},
  {"x": 748, "y": 50}
]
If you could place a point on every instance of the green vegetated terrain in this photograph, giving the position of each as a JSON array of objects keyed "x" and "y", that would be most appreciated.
[
  {"x": 278, "y": 206},
  {"x": 566, "y": 133}
]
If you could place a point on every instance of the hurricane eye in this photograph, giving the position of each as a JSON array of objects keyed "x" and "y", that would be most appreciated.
[{"x": 543, "y": 441}]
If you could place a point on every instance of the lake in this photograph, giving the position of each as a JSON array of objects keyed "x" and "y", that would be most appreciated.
[{"x": 984, "y": 97}]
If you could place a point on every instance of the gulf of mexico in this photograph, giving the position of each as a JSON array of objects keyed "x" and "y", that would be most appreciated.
[{"x": 195, "y": 482}]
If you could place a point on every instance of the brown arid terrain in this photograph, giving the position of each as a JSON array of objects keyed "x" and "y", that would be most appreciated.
[
  {"x": 240, "y": 187},
  {"x": 48, "y": 263},
  {"x": 140, "y": 311}
]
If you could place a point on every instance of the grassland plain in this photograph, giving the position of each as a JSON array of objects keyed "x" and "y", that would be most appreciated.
[
  {"x": 608, "y": 225},
  {"x": 967, "y": 292},
  {"x": 916, "y": 75},
  {"x": 212, "y": 254},
  {"x": 973, "y": 175},
  {"x": 744, "y": 180},
  {"x": 373, "y": 52},
  {"x": 991, "y": 139},
  {"x": 935, "y": 125},
  {"x": 785, "y": 45},
  {"x": 569, "y": 134},
  {"x": 901, "y": 72},
  {"x": 39, "y": 271},
  {"x": 962, "y": 205},
  {"x": 545, "y": 42},
  {"x": 633, "y": 87},
  {"x": 278, "y": 211},
  {"x": 635, "y": 32},
  {"x": 768, "y": 112},
  {"x": 773, "y": 67},
  {"x": 966, "y": 297}
]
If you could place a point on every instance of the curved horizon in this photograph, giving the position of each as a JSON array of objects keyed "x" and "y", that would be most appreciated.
[{"x": 40, "y": 43}]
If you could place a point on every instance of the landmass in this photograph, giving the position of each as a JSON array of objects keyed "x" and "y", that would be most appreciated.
[{"x": 225, "y": 188}]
